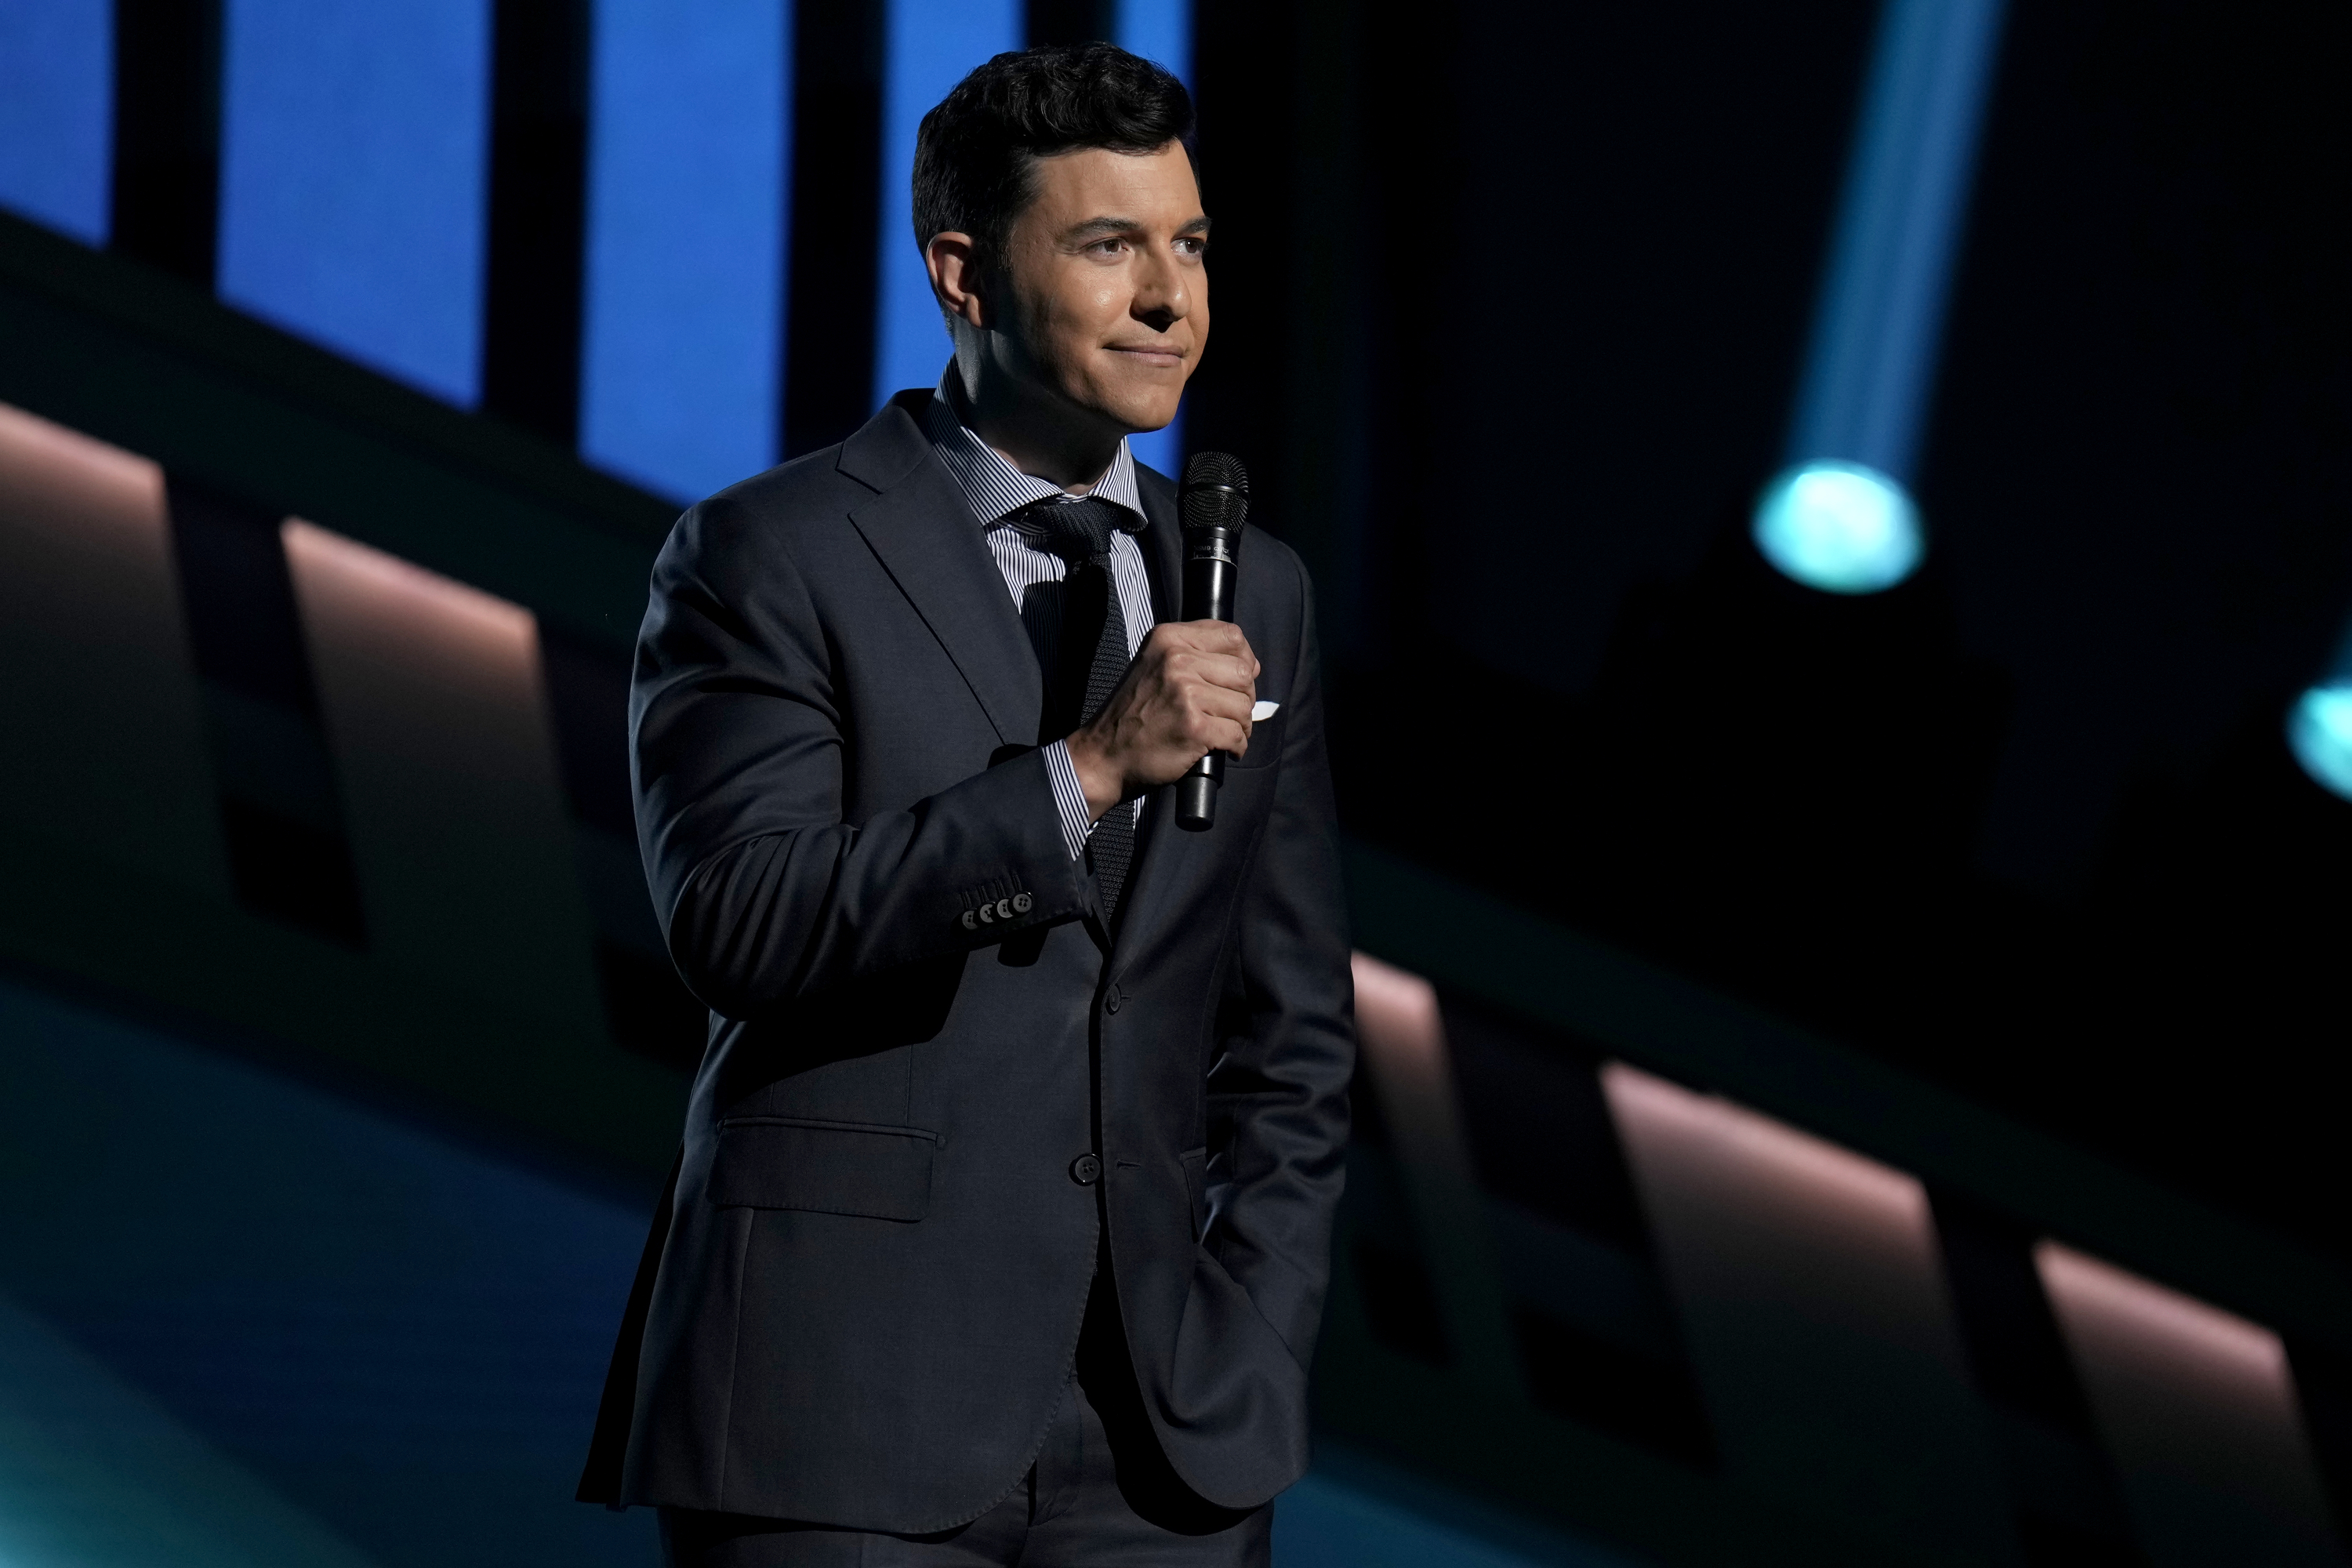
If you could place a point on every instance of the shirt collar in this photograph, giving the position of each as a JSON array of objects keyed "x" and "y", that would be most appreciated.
[{"x": 997, "y": 490}]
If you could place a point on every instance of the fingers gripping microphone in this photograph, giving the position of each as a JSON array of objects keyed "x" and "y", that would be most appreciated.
[{"x": 1212, "y": 503}]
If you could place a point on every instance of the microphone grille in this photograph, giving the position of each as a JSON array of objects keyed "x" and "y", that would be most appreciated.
[
  {"x": 1215, "y": 492},
  {"x": 1216, "y": 469}
]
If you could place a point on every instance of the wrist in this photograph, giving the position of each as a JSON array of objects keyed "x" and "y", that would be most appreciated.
[{"x": 1102, "y": 780}]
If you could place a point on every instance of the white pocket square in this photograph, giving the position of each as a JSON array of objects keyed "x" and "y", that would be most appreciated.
[{"x": 1263, "y": 711}]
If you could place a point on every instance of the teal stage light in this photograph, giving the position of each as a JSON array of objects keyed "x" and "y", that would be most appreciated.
[
  {"x": 1839, "y": 527},
  {"x": 2319, "y": 732}
]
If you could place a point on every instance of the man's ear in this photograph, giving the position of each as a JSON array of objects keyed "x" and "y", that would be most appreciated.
[{"x": 953, "y": 262}]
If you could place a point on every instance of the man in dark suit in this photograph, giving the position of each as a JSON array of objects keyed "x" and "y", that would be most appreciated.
[{"x": 1000, "y": 1234}]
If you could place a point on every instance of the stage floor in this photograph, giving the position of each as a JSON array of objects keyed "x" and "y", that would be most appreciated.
[{"x": 253, "y": 1317}]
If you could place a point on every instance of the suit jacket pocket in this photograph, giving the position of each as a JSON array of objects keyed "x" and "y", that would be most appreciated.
[
  {"x": 1265, "y": 742},
  {"x": 825, "y": 1167}
]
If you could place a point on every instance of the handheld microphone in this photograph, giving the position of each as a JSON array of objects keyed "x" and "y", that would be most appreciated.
[{"x": 1212, "y": 503}]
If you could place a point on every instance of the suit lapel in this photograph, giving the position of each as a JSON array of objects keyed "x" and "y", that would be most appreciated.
[
  {"x": 1159, "y": 843},
  {"x": 921, "y": 529},
  {"x": 1163, "y": 550}
]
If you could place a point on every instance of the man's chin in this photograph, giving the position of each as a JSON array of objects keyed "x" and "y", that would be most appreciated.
[
  {"x": 1139, "y": 414},
  {"x": 1138, "y": 398}
]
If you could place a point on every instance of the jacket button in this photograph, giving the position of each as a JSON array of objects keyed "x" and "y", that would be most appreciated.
[
  {"x": 1112, "y": 1001},
  {"x": 1086, "y": 1170},
  {"x": 1021, "y": 903}
]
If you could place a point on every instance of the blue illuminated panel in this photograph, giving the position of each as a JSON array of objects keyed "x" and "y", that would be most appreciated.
[
  {"x": 1162, "y": 449},
  {"x": 57, "y": 112},
  {"x": 354, "y": 164},
  {"x": 1160, "y": 31},
  {"x": 932, "y": 44},
  {"x": 688, "y": 153}
]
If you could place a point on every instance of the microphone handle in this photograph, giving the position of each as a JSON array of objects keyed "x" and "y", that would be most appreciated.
[{"x": 1208, "y": 596}]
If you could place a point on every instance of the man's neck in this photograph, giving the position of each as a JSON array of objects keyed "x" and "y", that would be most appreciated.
[{"x": 1034, "y": 432}]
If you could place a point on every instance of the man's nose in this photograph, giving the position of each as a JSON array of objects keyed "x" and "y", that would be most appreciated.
[{"x": 1160, "y": 299}]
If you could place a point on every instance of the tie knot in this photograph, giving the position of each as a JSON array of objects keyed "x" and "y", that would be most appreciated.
[{"x": 1079, "y": 530}]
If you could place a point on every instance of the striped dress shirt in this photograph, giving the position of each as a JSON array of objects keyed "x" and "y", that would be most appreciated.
[{"x": 1005, "y": 500}]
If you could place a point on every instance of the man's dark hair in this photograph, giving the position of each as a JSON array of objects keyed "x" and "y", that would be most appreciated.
[{"x": 975, "y": 152}]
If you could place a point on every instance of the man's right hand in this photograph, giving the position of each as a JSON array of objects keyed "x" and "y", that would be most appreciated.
[{"x": 1188, "y": 693}]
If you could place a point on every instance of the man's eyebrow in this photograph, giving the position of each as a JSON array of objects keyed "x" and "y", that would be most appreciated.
[{"x": 1097, "y": 227}]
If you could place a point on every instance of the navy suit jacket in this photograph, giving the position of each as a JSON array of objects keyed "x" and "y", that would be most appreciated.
[{"x": 864, "y": 1289}]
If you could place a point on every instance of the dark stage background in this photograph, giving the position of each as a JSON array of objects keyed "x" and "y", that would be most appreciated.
[{"x": 2026, "y": 823}]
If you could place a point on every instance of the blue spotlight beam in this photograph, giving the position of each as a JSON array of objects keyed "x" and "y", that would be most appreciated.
[
  {"x": 1839, "y": 527},
  {"x": 57, "y": 114},
  {"x": 2319, "y": 725},
  {"x": 1879, "y": 321},
  {"x": 931, "y": 44},
  {"x": 682, "y": 330},
  {"x": 1838, "y": 517},
  {"x": 2319, "y": 733},
  {"x": 355, "y": 140}
]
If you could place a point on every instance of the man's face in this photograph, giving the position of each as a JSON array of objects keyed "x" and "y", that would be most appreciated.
[{"x": 1103, "y": 292}]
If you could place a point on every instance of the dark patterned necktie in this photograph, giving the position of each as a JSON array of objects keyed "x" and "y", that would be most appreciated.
[{"x": 1091, "y": 658}]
